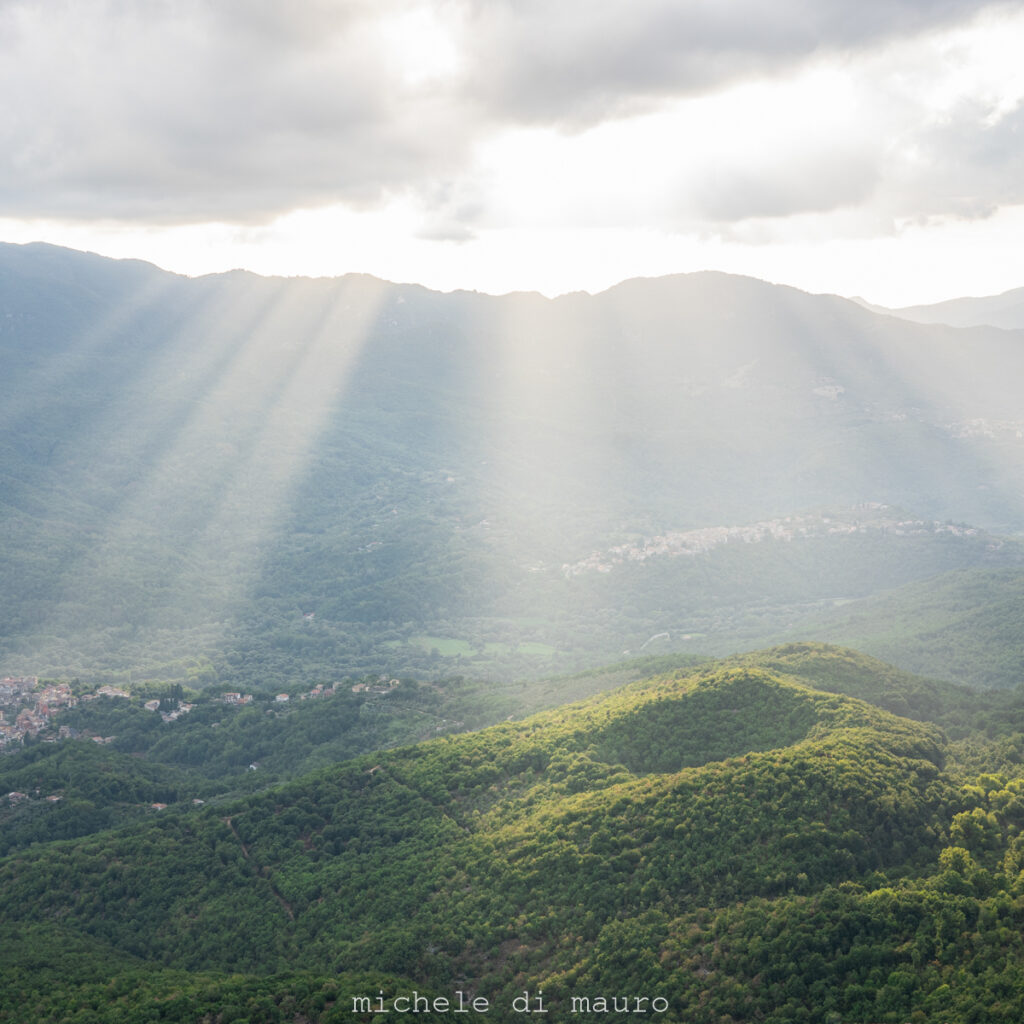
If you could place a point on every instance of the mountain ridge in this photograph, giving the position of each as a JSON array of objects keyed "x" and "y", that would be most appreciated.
[
  {"x": 199, "y": 464},
  {"x": 1005, "y": 310}
]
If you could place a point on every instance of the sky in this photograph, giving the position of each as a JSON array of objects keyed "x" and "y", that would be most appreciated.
[{"x": 862, "y": 147}]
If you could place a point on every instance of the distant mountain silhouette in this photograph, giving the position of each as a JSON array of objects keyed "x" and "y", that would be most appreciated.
[{"x": 1005, "y": 310}]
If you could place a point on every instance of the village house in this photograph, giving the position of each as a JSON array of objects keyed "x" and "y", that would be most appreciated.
[
  {"x": 113, "y": 691},
  {"x": 236, "y": 698},
  {"x": 381, "y": 687},
  {"x": 181, "y": 709},
  {"x": 11, "y": 686}
]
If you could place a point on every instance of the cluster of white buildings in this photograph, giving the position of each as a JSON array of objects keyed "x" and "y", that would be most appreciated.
[
  {"x": 236, "y": 699},
  {"x": 382, "y": 686},
  {"x": 690, "y": 543},
  {"x": 26, "y": 708},
  {"x": 169, "y": 716},
  {"x": 990, "y": 429}
]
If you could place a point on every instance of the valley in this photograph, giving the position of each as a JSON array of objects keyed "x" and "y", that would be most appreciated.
[
  {"x": 511, "y": 512},
  {"x": 367, "y": 650},
  {"x": 247, "y": 483}
]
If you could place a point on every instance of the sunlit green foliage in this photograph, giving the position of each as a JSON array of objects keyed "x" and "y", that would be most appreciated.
[{"x": 728, "y": 838}]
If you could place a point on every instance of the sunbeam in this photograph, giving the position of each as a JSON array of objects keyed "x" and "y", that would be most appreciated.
[{"x": 192, "y": 461}]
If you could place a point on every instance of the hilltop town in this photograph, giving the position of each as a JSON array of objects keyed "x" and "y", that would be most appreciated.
[
  {"x": 28, "y": 706},
  {"x": 864, "y": 519}
]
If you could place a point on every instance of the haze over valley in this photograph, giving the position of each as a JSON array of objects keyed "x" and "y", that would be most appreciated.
[
  {"x": 349, "y": 475},
  {"x": 511, "y": 509},
  {"x": 301, "y": 577}
]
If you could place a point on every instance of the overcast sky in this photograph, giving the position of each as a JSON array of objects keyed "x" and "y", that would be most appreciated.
[{"x": 871, "y": 147}]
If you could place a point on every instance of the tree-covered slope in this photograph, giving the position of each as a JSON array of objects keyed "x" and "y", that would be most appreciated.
[
  {"x": 958, "y": 709},
  {"x": 252, "y": 480},
  {"x": 964, "y": 626},
  {"x": 73, "y": 789},
  {"x": 728, "y": 839},
  {"x": 109, "y": 759}
]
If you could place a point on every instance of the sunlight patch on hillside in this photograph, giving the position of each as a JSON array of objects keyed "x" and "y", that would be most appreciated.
[{"x": 208, "y": 443}]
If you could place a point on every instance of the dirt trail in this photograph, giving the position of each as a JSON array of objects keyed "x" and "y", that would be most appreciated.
[{"x": 265, "y": 872}]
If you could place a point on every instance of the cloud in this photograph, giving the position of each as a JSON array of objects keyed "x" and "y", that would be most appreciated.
[
  {"x": 239, "y": 111},
  {"x": 576, "y": 62},
  {"x": 180, "y": 111},
  {"x": 918, "y": 130},
  {"x": 819, "y": 184},
  {"x": 965, "y": 165}
]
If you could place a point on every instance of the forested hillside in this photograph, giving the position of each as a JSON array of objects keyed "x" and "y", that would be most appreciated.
[
  {"x": 964, "y": 625},
  {"x": 743, "y": 840},
  {"x": 259, "y": 483},
  {"x": 327, "y": 529}
]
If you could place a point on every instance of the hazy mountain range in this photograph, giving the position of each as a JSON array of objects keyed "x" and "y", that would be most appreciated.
[
  {"x": 386, "y": 517},
  {"x": 234, "y": 477},
  {"x": 1005, "y": 310}
]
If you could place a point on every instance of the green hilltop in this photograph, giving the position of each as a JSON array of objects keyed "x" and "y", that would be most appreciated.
[{"x": 745, "y": 839}]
